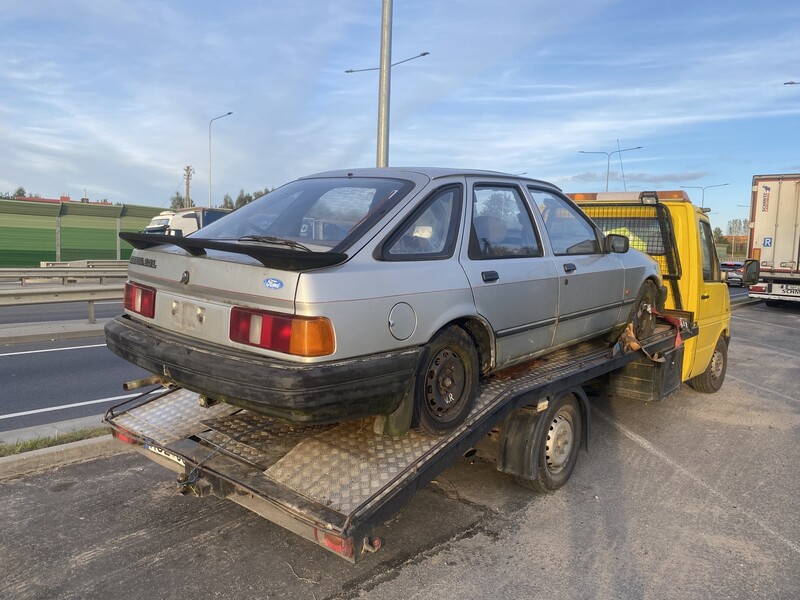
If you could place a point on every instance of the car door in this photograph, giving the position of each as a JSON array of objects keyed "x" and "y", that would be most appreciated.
[
  {"x": 713, "y": 307},
  {"x": 514, "y": 285},
  {"x": 591, "y": 282}
]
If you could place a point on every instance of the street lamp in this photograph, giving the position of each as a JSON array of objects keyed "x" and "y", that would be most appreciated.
[
  {"x": 704, "y": 188},
  {"x": 608, "y": 154},
  {"x": 384, "y": 83},
  {"x": 227, "y": 114}
]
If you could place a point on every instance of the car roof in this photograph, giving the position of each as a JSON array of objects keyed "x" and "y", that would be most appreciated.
[{"x": 430, "y": 172}]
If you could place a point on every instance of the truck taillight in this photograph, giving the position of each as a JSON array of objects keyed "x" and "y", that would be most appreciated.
[
  {"x": 140, "y": 299},
  {"x": 762, "y": 289},
  {"x": 301, "y": 336}
]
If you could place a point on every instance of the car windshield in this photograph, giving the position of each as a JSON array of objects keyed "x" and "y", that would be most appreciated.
[{"x": 320, "y": 214}]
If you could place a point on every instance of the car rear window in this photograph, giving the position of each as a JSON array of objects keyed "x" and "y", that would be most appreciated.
[{"x": 322, "y": 214}]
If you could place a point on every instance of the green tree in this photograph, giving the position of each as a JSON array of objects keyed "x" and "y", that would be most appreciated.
[
  {"x": 20, "y": 193},
  {"x": 177, "y": 201},
  {"x": 227, "y": 202},
  {"x": 243, "y": 198},
  {"x": 719, "y": 238}
]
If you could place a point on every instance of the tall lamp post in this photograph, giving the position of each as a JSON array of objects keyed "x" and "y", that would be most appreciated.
[
  {"x": 704, "y": 188},
  {"x": 384, "y": 83},
  {"x": 609, "y": 154},
  {"x": 227, "y": 114}
]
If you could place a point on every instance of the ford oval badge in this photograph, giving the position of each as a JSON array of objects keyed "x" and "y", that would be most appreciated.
[{"x": 273, "y": 284}]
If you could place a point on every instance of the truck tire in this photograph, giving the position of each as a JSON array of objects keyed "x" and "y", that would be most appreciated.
[
  {"x": 446, "y": 381},
  {"x": 710, "y": 380},
  {"x": 558, "y": 442}
]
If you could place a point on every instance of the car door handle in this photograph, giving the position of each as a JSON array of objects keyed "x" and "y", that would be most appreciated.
[
  {"x": 569, "y": 267},
  {"x": 489, "y": 276}
]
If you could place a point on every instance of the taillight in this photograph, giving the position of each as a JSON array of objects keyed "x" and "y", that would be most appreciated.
[
  {"x": 123, "y": 436},
  {"x": 140, "y": 299},
  {"x": 301, "y": 336},
  {"x": 339, "y": 545},
  {"x": 761, "y": 289}
]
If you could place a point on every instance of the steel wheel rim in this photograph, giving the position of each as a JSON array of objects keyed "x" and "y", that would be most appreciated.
[
  {"x": 558, "y": 446},
  {"x": 445, "y": 383},
  {"x": 717, "y": 364}
]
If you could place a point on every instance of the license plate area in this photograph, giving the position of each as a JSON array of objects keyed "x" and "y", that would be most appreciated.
[{"x": 166, "y": 454}]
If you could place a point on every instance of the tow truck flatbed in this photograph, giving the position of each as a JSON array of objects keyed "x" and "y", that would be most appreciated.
[{"x": 336, "y": 484}]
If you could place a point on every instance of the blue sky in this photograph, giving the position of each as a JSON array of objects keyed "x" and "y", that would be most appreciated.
[{"x": 115, "y": 97}]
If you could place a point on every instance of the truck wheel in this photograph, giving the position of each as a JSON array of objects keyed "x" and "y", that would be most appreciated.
[
  {"x": 558, "y": 443},
  {"x": 710, "y": 380},
  {"x": 446, "y": 381},
  {"x": 644, "y": 321}
]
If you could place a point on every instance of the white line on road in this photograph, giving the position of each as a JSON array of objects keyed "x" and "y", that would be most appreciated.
[
  {"x": 637, "y": 439},
  {"x": 52, "y": 350},
  {"x": 63, "y": 406}
]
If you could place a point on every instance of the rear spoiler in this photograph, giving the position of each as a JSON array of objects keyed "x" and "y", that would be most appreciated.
[{"x": 276, "y": 258}]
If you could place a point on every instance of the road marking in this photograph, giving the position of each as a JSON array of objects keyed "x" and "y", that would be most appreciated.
[
  {"x": 754, "y": 343},
  {"x": 52, "y": 350},
  {"x": 63, "y": 406},
  {"x": 760, "y": 388},
  {"x": 762, "y": 324},
  {"x": 639, "y": 440}
]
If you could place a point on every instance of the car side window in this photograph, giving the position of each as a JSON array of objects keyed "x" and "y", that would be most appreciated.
[
  {"x": 501, "y": 224},
  {"x": 569, "y": 231},
  {"x": 430, "y": 232},
  {"x": 711, "y": 270}
]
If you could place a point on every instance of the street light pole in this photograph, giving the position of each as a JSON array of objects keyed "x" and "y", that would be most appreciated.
[
  {"x": 704, "y": 188},
  {"x": 609, "y": 154},
  {"x": 384, "y": 84},
  {"x": 209, "y": 152}
]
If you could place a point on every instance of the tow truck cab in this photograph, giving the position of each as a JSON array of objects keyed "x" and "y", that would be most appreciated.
[{"x": 678, "y": 234}]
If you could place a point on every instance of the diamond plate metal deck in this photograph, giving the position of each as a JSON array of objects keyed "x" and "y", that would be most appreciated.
[
  {"x": 350, "y": 467},
  {"x": 257, "y": 439},
  {"x": 172, "y": 417}
]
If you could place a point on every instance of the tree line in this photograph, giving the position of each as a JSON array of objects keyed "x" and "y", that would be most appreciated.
[{"x": 178, "y": 200}]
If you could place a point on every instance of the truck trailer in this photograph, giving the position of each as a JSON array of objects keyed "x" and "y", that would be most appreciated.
[{"x": 774, "y": 240}]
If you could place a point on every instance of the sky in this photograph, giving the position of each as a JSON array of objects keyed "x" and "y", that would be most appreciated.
[{"x": 114, "y": 99}]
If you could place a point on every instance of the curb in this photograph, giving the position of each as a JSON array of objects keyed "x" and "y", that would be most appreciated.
[{"x": 28, "y": 463}]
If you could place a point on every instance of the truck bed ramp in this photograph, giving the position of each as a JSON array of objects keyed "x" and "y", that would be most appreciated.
[{"x": 335, "y": 484}]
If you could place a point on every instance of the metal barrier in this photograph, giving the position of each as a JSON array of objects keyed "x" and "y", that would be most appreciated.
[
  {"x": 48, "y": 295},
  {"x": 63, "y": 273}
]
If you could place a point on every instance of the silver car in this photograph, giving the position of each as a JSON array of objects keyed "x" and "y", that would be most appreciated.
[{"x": 339, "y": 294}]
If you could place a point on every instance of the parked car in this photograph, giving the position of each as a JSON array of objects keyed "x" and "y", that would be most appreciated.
[
  {"x": 734, "y": 276},
  {"x": 336, "y": 295}
]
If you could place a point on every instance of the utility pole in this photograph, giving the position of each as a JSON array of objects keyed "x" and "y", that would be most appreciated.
[{"x": 188, "y": 171}]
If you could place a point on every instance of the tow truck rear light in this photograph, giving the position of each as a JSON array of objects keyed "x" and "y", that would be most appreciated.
[
  {"x": 301, "y": 336},
  {"x": 140, "y": 299},
  {"x": 339, "y": 545},
  {"x": 123, "y": 436},
  {"x": 761, "y": 289}
]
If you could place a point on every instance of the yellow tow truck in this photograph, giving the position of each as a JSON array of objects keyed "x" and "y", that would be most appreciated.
[{"x": 677, "y": 234}]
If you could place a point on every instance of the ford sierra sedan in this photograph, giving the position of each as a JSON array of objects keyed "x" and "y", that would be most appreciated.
[{"x": 340, "y": 294}]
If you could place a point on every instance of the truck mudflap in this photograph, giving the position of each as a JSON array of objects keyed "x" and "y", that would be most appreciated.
[{"x": 335, "y": 484}]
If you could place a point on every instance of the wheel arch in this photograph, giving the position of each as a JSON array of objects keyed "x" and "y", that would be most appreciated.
[{"x": 481, "y": 334}]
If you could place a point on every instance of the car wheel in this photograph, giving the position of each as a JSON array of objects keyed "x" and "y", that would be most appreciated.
[
  {"x": 642, "y": 317},
  {"x": 558, "y": 445},
  {"x": 446, "y": 381},
  {"x": 710, "y": 380}
]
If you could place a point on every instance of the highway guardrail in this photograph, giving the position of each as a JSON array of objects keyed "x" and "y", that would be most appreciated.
[
  {"x": 65, "y": 274},
  {"x": 48, "y": 295}
]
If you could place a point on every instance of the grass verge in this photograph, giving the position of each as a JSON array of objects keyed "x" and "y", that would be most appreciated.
[{"x": 47, "y": 442}]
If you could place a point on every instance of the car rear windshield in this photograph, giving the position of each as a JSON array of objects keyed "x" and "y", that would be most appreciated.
[{"x": 321, "y": 214}]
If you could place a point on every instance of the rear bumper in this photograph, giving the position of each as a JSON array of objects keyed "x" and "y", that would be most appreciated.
[{"x": 307, "y": 393}]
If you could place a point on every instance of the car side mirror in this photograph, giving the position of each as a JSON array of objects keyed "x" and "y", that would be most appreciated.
[
  {"x": 617, "y": 243},
  {"x": 751, "y": 272}
]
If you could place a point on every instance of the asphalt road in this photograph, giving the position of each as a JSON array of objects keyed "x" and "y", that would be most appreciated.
[{"x": 694, "y": 497}]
